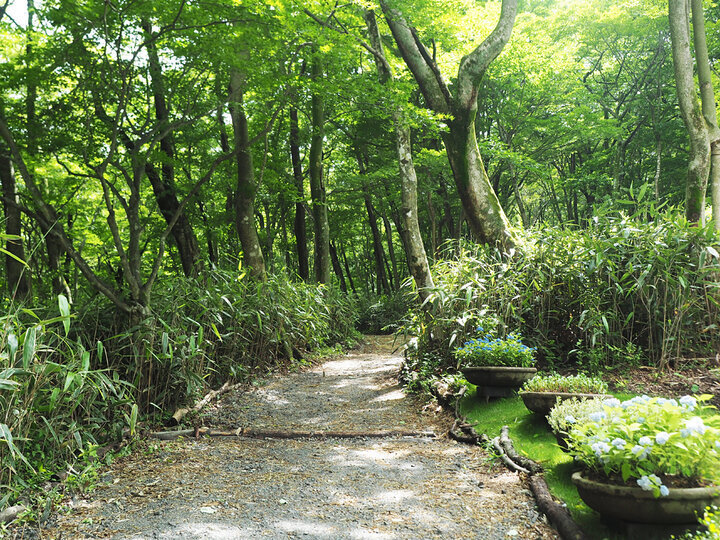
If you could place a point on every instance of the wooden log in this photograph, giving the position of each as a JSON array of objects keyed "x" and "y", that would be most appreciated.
[
  {"x": 285, "y": 434},
  {"x": 558, "y": 515},
  {"x": 509, "y": 449},
  {"x": 459, "y": 432},
  {"x": 179, "y": 414}
]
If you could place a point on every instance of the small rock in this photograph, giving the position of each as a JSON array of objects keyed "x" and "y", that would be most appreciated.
[
  {"x": 512, "y": 532},
  {"x": 207, "y": 510}
]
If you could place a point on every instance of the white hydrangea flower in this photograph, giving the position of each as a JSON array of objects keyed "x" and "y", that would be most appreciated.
[
  {"x": 662, "y": 437},
  {"x": 645, "y": 483},
  {"x": 570, "y": 419},
  {"x": 664, "y": 491},
  {"x": 645, "y": 441},
  {"x": 688, "y": 402},
  {"x": 696, "y": 424},
  {"x": 619, "y": 443},
  {"x": 611, "y": 402}
]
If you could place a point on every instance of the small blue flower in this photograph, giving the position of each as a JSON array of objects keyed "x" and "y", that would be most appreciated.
[
  {"x": 619, "y": 443},
  {"x": 664, "y": 491}
]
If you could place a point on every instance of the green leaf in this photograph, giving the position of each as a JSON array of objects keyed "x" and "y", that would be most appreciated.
[
  {"x": 29, "y": 344},
  {"x": 64, "y": 306}
]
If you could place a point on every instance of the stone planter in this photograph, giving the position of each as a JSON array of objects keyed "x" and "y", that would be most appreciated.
[
  {"x": 542, "y": 402},
  {"x": 497, "y": 381},
  {"x": 634, "y": 505}
]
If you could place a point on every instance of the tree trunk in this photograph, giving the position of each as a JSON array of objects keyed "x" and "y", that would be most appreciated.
[
  {"x": 299, "y": 226},
  {"x": 317, "y": 184},
  {"x": 377, "y": 244},
  {"x": 699, "y": 166},
  {"x": 164, "y": 186},
  {"x": 483, "y": 211},
  {"x": 18, "y": 282},
  {"x": 347, "y": 269},
  {"x": 410, "y": 231},
  {"x": 337, "y": 268},
  {"x": 244, "y": 200},
  {"x": 709, "y": 108},
  {"x": 391, "y": 251}
]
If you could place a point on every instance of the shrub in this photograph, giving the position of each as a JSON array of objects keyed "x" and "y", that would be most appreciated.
[
  {"x": 554, "y": 382},
  {"x": 650, "y": 440}
]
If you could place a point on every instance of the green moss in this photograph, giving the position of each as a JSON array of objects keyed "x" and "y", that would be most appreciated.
[{"x": 532, "y": 437}]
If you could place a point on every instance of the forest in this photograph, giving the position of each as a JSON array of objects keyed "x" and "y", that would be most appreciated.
[{"x": 200, "y": 191}]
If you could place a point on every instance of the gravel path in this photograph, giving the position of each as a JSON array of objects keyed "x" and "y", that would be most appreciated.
[{"x": 361, "y": 488}]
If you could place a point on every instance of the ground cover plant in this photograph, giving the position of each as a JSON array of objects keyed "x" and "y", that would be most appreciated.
[{"x": 554, "y": 382}]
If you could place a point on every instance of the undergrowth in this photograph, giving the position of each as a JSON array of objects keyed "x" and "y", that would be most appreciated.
[{"x": 622, "y": 292}]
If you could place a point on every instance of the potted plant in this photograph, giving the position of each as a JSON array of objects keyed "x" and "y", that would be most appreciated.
[
  {"x": 649, "y": 460},
  {"x": 497, "y": 366},
  {"x": 542, "y": 392},
  {"x": 568, "y": 413}
]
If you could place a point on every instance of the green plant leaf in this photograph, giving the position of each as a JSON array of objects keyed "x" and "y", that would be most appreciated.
[
  {"x": 29, "y": 344},
  {"x": 64, "y": 307}
]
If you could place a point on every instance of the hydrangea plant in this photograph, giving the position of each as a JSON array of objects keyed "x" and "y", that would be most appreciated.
[
  {"x": 650, "y": 440},
  {"x": 488, "y": 351},
  {"x": 554, "y": 382}
]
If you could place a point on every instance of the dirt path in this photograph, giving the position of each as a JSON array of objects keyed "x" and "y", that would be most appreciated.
[{"x": 391, "y": 488}]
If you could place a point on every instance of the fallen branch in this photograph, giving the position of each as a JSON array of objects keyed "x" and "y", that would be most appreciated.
[
  {"x": 251, "y": 433},
  {"x": 176, "y": 418},
  {"x": 463, "y": 432},
  {"x": 505, "y": 459},
  {"x": 10, "y": 513},
  {"x": 558, "y": 515},
  {"x": 509, "y": 449}
]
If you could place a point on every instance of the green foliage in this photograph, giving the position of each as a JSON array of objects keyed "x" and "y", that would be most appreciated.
[
  {"x": 554, "y": 382},
  {"x": 483, "y": 351},
  {"x": 384, "y": 314},
  {"x": 55, "y": 408},
  {"x": 572, "y": 411},
  {"x": 619, "y": 292},
  {"x": 204, "y": 333},
  {"x": 650, "y": 440},
  {"x": 711, "y": 526}
]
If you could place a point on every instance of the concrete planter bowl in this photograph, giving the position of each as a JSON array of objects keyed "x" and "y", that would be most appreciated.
[
  {"x": 542, "y": 402},
  {"x": 497, "y": 381},
  {"x": 634, "y": 505}
]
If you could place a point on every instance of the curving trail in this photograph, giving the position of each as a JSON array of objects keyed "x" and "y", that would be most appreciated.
[{"x": 360, "y": 488}]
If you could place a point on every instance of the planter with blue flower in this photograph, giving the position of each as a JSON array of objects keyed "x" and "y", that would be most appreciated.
[
  {"x": 497, "y": 366},
  {"x": 649, "y": 460},
  {"x": 541, "y": 393}
]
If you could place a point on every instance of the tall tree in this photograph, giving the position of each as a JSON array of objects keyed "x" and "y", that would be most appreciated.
[
  {"x": 700, "y": 117},
  {"x": 317, "y": 180},
  {"x": 483, "y": 211},
  {"x": 244, "y": 199}
]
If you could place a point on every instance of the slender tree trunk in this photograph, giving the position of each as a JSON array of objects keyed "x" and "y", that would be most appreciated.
[
  {"x": 244, "y": 201},
  {"x": 347, "y": 269},
  {"x": 337, "y": 268},
  {"x": 412, "y": 239},
  {"x": 299, "y": 225},
  {"x": 518, "y": 197},
  {"x": 391, "y": 251},
  {"x": 210, "y": 234},
  {"x": 378, "y": 253},
  {"x": 709, "y": 107},
  {"x": 691, "y": 112},
  {"x": 18, "y": 282},
  {"x": 433, "y": 225},
  {"x": 164, "y": 186},
  {"x": 317, "y": 184}
]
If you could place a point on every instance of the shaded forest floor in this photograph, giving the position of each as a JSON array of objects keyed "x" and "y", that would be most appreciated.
[{"x": 386, "y": 488}]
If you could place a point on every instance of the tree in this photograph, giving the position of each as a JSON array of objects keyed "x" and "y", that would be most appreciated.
[{"x": 482, "y": 208}]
